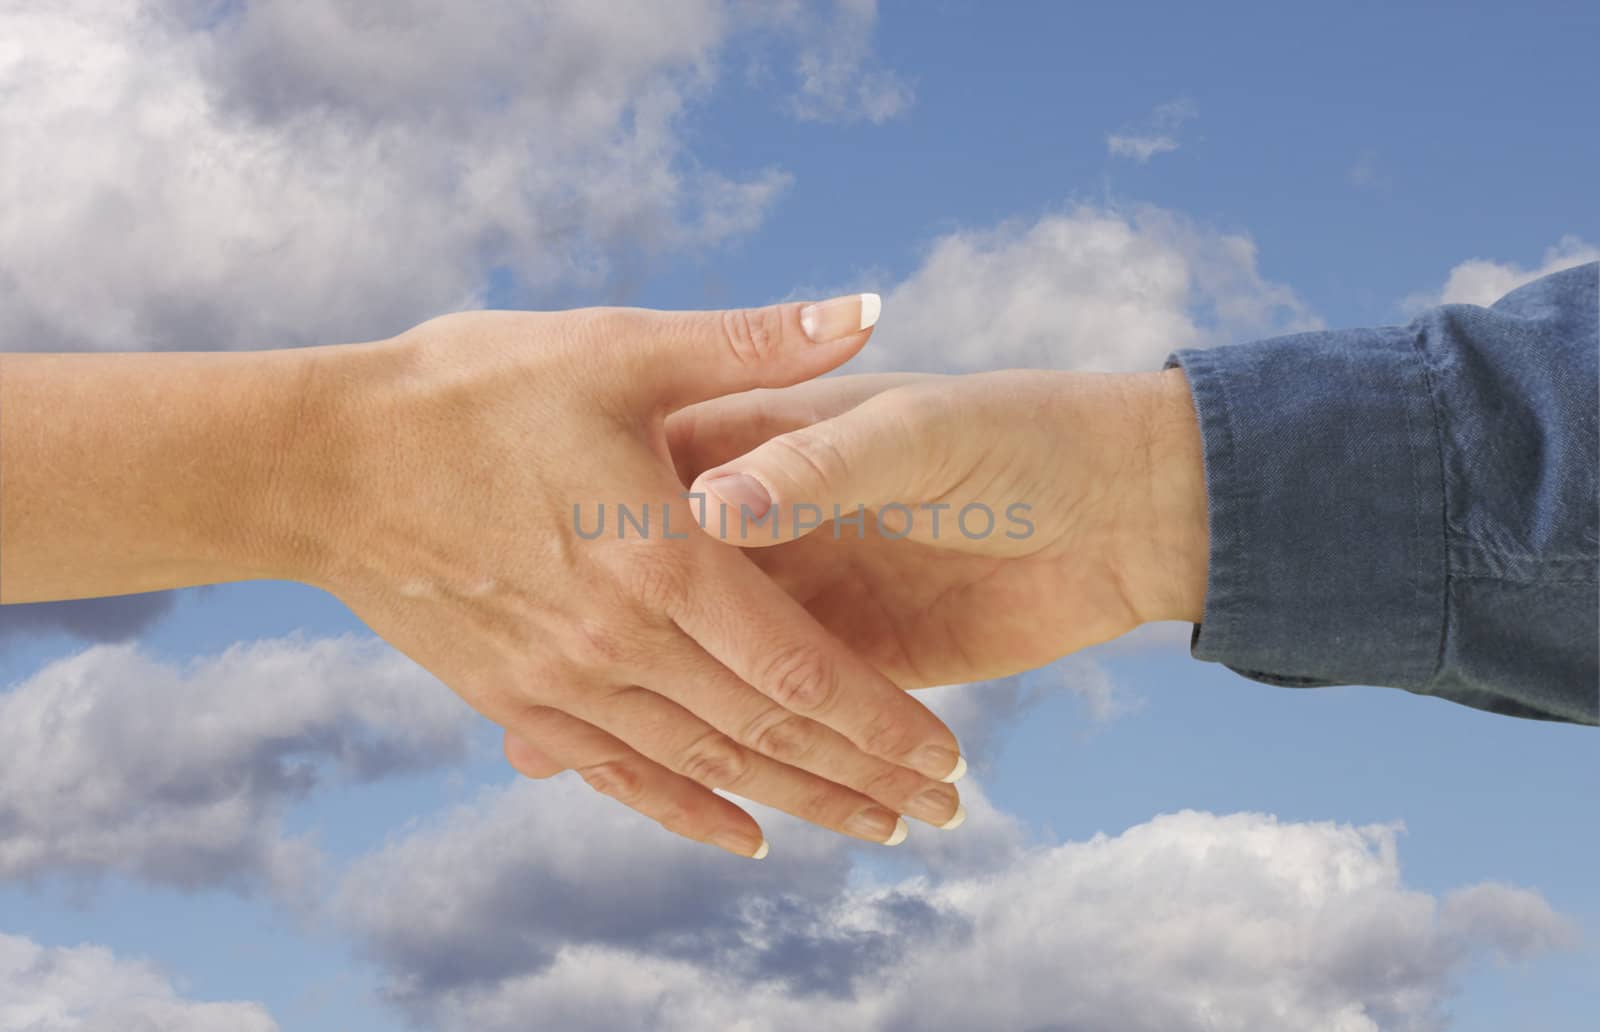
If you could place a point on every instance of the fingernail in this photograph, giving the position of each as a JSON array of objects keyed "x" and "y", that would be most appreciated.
[
  {"x": 739, "y": 493},
  {"x": 838, "y": 317},
  {"x": 939, "y": 763},
  {"x": 900, "y": 833},
  {"x": 739, "y": 844},
  {"x": 761, "y": 853},
  {"x": 932, "y": 805},
  {"x": 957, "y": 820},
  {"x": 877, "y": 824}
]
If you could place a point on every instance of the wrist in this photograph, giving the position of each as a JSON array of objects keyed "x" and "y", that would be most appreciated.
[
  {"x": 307, "y": 508},
  {"x": 1167, "y": 553}
]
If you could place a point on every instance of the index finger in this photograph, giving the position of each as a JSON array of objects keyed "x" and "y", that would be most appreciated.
[{"x": 767, "y": 638}]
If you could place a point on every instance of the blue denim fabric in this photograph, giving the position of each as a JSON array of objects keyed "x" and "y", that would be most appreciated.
[{"x": 1412, "y": 506}]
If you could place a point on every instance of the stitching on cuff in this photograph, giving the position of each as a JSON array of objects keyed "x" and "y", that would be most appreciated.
[
  {"x": 1222, "y": 490},
  {"x": 1419, "y": 354}
]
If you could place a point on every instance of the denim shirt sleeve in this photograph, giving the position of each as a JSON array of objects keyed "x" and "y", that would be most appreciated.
[{"x": 1412, "y": 506}]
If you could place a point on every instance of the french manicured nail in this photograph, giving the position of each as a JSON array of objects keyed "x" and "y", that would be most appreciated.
[
  {"x": 762, "y": 850},
  {"x": 840, "y": 317},
  {"x": 739, "y": 845},
  {"x": 877, "y": 824},
  {"x": 932, "y": 806},
  {"x": 957, "y": 820},
  {"x": 938, "y": 763},
  {"x": 739, "y": 493}
]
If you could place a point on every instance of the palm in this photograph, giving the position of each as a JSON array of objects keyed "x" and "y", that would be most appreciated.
[{"x": 925, "y": 615}]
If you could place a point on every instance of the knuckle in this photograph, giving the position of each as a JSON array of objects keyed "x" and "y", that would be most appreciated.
[
  {"x": 657, "y": 576},
  {"x": 800, "y": 680},
  {"x": 600, "y": 644},
  {"x": 911, "y": 408},
  {"x": 614, "y": 778},
  {"x": 596, "y": 331},
  {"x": 602, "y": 323},
  {"x": 753, "y": 336},
  {"x": 715, "y": 762},
  {"x": 892, "y": 785},
  {"x": 886, "y": 737},
  {"x": 537, "y": 721},
  {"x": 676, "y": 818},
  {"x": 782, "y": 735},
  {"x": 821, "y": 806},
  {"x": 814, "y": 451}
]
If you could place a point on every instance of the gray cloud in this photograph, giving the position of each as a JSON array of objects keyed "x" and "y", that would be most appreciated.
[
  {"x": 114, "y": 761},
  {"x": 116, "y": 618},
  {"x": 505, "y": 885},
  {"x": 89, "y": 989},
  {"x": 532, "y": 903}
]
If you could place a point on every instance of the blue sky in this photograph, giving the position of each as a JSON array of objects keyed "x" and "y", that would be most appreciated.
[{"x": 1374, "y": 159}]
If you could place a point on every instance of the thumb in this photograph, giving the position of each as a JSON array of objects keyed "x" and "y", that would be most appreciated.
[
  {"x": 855, "y": 468},
  {"x": 679, "y": 358}
]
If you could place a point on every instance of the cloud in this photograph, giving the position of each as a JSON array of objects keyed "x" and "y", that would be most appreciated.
[
  {"x": 836, "y": 80},
  {"x": 980, "y": 713},
  {"x": 194, "y": 175},
  {"x": 1158, "y": 134},
  {"x": 116, "y": 618},
  {"x": 114, "y": 761},
  {"x": 1483, "y": 282},
  {"x": 88, "y": 989},
  {"x": 500, "y": 886},
  {"x": 1366, "y": 172},
  {"x": 535, "y": 902},
  {"x": 1089, "y": 288},
  {"x": 1139, "y": 148}
]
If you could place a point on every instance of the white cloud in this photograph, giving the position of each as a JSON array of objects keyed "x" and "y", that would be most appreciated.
[
  {"x": 1088, "y": 289},
  {"x": 838, "y": 82},
  {"x": 535, "y": 903},
  {"x": 1483, "y": 282},
  {"x": 1103, "y": 698},
  {"x": 1157, "y": 135},
  {"x": 114, "y": 761},
  {"x": 88, "y": 989},
  {"x": 309, "y": 173},
  {"x": 979, "y": 713},
  {"x": 1139, "y": 148}
]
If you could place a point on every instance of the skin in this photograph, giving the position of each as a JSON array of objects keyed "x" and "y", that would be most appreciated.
[
  {"x": 428, "y": 481},
  {"x": 1110, "y": 464}
]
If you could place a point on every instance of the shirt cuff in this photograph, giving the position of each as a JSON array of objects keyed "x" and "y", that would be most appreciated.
[{"x": 1325, "y": 502}]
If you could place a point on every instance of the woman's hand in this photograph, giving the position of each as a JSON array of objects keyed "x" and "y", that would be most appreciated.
[
  {"x": 1084, "y": 497},
  {"x": 452, "y": 465}
]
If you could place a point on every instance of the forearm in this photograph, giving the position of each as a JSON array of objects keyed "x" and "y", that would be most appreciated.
[{"x": 123, "y": 473}]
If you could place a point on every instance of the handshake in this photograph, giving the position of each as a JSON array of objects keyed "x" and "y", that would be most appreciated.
[{"x": 658, "y": 551}]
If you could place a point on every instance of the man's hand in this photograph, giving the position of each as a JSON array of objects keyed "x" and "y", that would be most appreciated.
[{"x": 1106, "y": 470}]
